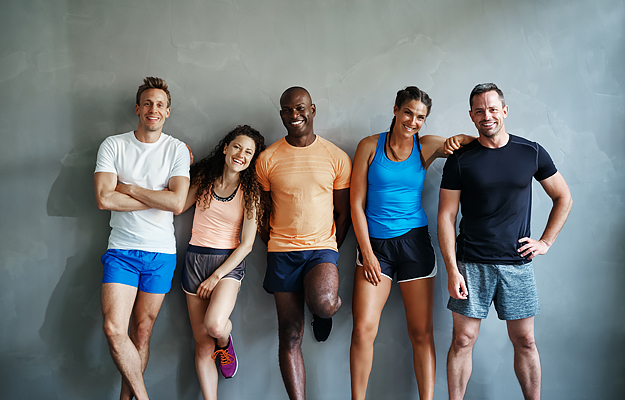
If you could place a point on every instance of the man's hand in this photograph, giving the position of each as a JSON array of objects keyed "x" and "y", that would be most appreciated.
[
  {"x": 532, "y": 247},
  {"x": 457, "y": 286}
]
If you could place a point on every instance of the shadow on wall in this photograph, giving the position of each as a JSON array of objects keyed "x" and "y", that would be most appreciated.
[{"x": 72, "y": 326}]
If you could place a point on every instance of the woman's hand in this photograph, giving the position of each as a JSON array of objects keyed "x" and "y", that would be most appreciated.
[
  {"x": 207, "y": 287},
  {"x": 453, "y": 143},
  {"x": 371, "y": 269}
]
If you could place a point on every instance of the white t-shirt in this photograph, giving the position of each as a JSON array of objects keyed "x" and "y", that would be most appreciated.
[{"x": 150, "y": 166}]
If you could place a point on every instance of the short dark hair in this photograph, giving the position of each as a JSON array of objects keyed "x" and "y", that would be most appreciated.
[
  {"x": 295, "y": 89},
  {"x": 154, "y": 83},
  {"x": 483, "y": 88}
]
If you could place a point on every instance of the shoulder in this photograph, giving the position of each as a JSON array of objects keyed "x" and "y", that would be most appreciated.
[
  {"x": 268, "y": 153},
  {"x": 172, "y": 141},
  {"x": 333, "y": 149},
  {"x": 369, "y": 143},
  {"x": 472, "y": 147},
  {"x": 116, "y": 141},
  {"x": 520, "y": 142}
]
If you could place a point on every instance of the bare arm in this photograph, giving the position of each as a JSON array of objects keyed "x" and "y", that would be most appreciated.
[
  {"x": 433, "y": 147},
  {"x": 190, "y": 200},
  {"x": 448, "y": 206},
  {"x": 342, "y": 219},
  {"x": 558, "y": 191},
  {"x": 264, "y": 227},
  {"x": 248, "y": 234},
  {"x": 108, "y": 198},
  {"x": 167, "y": 200},
  {"x": 360, "y": 169}
]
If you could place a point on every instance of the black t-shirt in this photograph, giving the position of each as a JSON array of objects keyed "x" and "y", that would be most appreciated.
[{"x": 496, "y": 197}]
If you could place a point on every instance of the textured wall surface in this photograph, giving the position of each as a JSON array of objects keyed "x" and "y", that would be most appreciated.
[{"x": 69, "y": 70}]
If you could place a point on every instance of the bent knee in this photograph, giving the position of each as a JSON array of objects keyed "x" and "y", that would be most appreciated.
[
  {"x": 325, "y": 305},
  {"x": 113, "y": 331},
  {"x": 142, "y": 332},
  {"x": 216, "y": 329},
  {"x": 204, "y": 347}
]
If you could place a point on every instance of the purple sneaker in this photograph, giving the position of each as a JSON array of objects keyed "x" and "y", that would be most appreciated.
[{"x": 227, "y": 361}]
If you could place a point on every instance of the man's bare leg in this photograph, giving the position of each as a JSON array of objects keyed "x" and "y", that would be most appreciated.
[
  {"x": 321, "y": 290},
  {"x": 460, "y": 356},
  {"x": 129, "y": 352},
  {"x": 526, "y": 358},
  {"x": 290, "y": 308}
]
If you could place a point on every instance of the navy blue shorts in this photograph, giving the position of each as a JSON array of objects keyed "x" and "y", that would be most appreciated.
[
  {"x": 286, "y": 270},
  {"x": 148, "y": 271},
  {"x": 410, "y": 255}
]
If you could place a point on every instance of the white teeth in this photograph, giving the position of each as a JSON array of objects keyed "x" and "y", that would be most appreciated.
[{"x": 297, "y": 123}]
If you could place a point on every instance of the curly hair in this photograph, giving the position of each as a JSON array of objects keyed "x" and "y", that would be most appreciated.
[{"x": 206, "y": 171}]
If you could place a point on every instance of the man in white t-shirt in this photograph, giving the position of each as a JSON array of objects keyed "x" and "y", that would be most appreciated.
[{"x": 142, "y": 177}]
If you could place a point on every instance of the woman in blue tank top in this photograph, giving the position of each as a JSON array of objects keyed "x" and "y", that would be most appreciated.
[{"x": 391, "y": 227}]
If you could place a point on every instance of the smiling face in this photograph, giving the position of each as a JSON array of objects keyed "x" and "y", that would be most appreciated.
[
  {"x": 488, "y": 114},
  {"x": 239, "y": 153},
  {"x": 409, "y": 118},
  {"x": 152, "y": 110},
  {"x": 297, "y": 112}
]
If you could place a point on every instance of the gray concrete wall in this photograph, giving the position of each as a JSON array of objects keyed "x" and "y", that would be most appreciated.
[{"x": 68, "y": 75}]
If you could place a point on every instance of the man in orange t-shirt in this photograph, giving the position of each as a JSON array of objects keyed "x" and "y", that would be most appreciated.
[{"x": 306, "y": 179}]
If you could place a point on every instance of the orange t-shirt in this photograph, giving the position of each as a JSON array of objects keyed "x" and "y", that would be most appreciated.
[
  {"x": 301, "y": 181},
  {"x": 218, "y": 226}
]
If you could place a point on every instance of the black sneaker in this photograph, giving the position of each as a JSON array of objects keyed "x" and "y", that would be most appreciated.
[{"x": 321, "y": 328}]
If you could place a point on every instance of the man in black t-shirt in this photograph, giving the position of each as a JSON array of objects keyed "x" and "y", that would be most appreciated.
[{"x": 490, "y": 261}]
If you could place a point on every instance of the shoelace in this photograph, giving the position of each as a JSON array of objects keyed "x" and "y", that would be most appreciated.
[{"x": 224, "y": 357}]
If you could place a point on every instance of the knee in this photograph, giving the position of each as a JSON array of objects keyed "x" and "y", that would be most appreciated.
[
  {"x": 216, "y": 328},
  {"x": 290, "y": 335},
  {"x": 421, "y": 335},
  {"x": 463, "y": 340},
  {"x": 364, "y": 332},
  {"x": 524, "y": 343},
  {"x": 113, "y": 331},
  {"x": 141, "y": 333},
  {"x": 204, "y": 347},
  {"x": 325, "y": 305}
]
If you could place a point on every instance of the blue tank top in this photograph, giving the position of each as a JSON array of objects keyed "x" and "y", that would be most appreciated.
[{"x": 394, "y": 193}]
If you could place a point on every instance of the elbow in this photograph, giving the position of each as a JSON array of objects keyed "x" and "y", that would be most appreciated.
[
  {"x": 247, "y": 247},
  {"x": 101, "y": 203},
  {"x": 178, "y": 206}
]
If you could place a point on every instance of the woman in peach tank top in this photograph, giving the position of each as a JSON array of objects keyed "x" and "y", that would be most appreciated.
[{"x": 228, "y": 207}]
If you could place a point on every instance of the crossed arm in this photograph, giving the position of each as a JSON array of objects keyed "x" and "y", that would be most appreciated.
[{"x": 114, "y": 196}]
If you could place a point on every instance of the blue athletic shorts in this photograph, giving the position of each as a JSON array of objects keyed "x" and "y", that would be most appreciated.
[
  {"x": 286, "y": 270},
  {"x": 201, "y": 262},
  {"x": 511, "y": 287},
  {"x": 410, "y": 255},
  {"x": 148, "y": 271}
]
